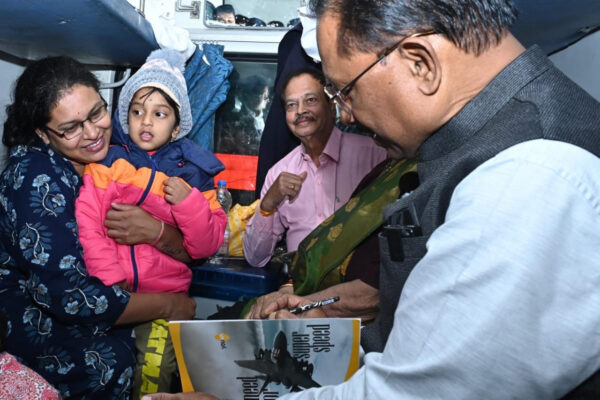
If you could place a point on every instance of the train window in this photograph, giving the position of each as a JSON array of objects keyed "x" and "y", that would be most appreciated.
[
  {"x": 254, "y": 14},
  {"x": 240, "y": 120}
]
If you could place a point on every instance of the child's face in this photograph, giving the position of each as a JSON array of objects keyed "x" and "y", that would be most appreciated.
[{"x": 151, "y": 120}]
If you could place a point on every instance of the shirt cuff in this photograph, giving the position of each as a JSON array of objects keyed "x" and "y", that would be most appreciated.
[{"x": 263, "y": 223}]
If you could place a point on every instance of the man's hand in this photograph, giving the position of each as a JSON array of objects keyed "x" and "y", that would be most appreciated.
[
  {"x": 179, "y": 396},
  {"x": 129, "y": 224},
  {"x": 279, "y": 309},
  {"x": 258, "y": 308},
  {"x": 176, "y": 190},
  {"x": 286, "y": 185}
]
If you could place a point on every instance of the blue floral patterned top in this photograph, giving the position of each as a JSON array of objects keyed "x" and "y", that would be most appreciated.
[{"x": 60, "y": 318}]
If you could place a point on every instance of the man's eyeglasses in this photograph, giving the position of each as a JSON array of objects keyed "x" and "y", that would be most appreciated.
[
  {"x": 74, "y": 131},
  {"x": 340, "y": 96}
]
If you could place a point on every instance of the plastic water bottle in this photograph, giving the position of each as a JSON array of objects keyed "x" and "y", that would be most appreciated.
[
  {"x": 224, "y": 249},
  {"x": 224, "y": 198}
]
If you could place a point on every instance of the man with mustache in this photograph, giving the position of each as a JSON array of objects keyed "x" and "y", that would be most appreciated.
[{"x": 315, "y": 178}]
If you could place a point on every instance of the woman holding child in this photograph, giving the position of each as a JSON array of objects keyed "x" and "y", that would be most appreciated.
[{"x": 64, "y": 324}]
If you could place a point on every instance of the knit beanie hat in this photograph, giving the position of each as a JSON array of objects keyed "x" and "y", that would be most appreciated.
[{"x": 163, "y": 70}]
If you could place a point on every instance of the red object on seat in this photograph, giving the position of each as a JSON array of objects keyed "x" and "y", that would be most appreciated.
[{"x": 240, "y": 171}]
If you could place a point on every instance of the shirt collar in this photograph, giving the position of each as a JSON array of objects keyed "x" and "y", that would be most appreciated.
[
  {"x": 473, "y": 116},
  {"x": 332, "y": 148}
]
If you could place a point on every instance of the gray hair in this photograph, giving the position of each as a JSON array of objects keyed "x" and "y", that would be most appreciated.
[{"x": 367, "y": 25}]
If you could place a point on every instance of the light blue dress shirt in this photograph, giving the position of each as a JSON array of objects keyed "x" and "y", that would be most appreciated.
[{"x": 506, "y": 302}]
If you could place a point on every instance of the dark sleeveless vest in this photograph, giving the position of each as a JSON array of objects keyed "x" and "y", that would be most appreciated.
[{"x": 530, "y": 99}]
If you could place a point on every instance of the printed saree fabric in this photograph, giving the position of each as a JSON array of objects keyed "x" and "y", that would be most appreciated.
[
  {"x": 20, "y": 382},
  {"x": 323, "y": 255}
]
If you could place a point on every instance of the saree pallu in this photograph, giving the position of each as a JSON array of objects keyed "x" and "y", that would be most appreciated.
[{"x": 322, "y": 257}]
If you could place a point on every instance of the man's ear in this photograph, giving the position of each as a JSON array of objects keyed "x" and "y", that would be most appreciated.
[
  {"x": 424, "y": 64},
  {"x": 333, "y": 107},
  {"x": 347, "y": 118},
  {"x": 42, "y": 135}
]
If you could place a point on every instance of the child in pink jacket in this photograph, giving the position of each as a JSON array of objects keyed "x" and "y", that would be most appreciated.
[{"x": 152, "y": 165}]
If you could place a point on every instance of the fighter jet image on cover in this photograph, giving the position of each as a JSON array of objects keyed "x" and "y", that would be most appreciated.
[{"x": 280, "y": 367}]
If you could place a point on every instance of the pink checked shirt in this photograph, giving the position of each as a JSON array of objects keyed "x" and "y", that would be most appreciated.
[{"x": 346, "y": 159}]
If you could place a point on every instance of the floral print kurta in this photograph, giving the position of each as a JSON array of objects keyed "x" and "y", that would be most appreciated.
[{"x": 60, "y": 318}]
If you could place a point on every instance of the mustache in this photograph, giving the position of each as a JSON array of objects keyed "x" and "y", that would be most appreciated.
[{"x": 303, "y": 117}]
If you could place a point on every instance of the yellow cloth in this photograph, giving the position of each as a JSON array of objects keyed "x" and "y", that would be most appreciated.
[{"x": 238, "y": 216}]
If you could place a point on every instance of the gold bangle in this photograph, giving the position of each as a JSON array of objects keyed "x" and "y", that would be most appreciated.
[{"x": 265, "y": 213}]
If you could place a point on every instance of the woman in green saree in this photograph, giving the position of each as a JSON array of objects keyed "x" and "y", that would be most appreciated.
[{"x": 340, "y": 257}]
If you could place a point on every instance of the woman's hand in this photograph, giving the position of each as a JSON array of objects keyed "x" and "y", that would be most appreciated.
[
  {"x": 129, "y": 224},
  {"x": 176, "y": 190},
  {"x": 123, "y": 285},
  {"x": 144, "y": 307},
  {"x": 179, "y": 306},
  {"x": 257, "y": 311}
]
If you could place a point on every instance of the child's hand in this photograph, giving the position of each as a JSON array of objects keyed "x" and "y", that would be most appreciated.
[{"x": 176, "y": 190}]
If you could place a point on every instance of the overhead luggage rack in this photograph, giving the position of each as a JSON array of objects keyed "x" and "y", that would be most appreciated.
[{"x": 96, "y": 32}]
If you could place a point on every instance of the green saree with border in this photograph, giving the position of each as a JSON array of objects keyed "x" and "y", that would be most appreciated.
[{"x": 321, "y": 258}]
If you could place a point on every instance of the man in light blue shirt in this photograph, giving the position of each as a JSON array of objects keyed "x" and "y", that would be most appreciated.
[
  {"x": 496, "y": 298},
  {"x": 504, "y": 304}
]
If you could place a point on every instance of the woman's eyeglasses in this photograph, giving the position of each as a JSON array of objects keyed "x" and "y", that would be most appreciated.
[
  {"x": 340, "y": 96},
  {"x": 95, "y": 116}
]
